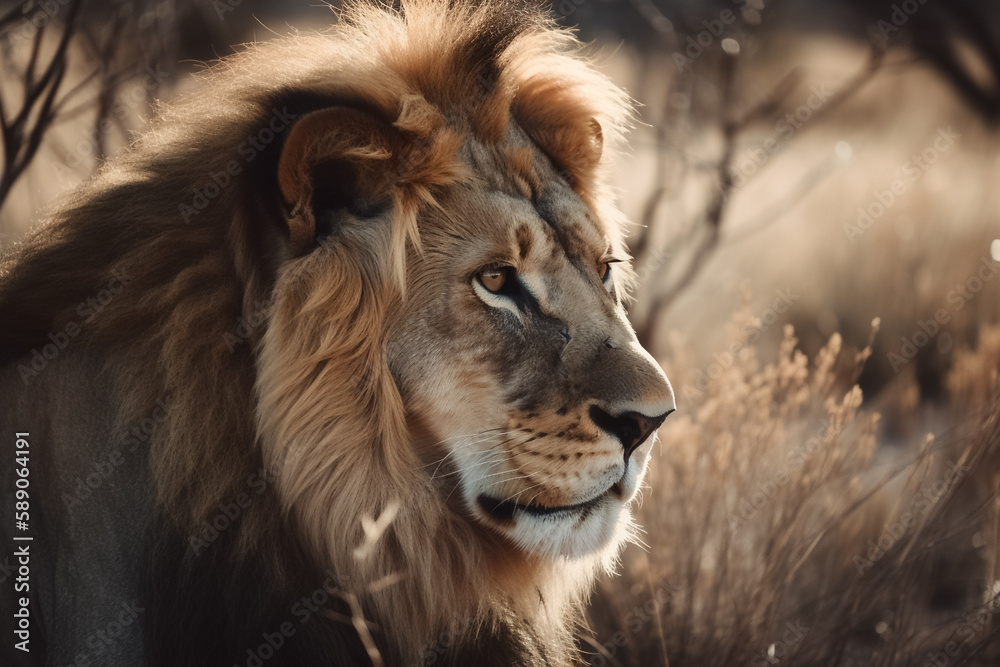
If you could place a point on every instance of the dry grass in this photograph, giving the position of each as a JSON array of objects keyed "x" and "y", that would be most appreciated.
[
  {"x": 790, "y": 519},
  {"x": 776, "y": 530}
]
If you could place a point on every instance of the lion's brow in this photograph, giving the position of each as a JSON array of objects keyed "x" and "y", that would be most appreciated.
[
  {"x": 566, "y": 232},
  {"x": 521, "y": 163}
]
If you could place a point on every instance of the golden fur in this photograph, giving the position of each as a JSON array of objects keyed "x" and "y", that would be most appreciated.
[{"x": 433, "y": 111}]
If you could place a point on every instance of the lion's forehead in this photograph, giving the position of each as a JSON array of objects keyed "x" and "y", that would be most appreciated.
[
  {"x": 526, "y": 215},
  {"x": 520, "y": 169}
]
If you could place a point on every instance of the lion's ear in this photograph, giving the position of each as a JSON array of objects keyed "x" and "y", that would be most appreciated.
[
  {"x": 335, "y": 161},
  {"x": 566, "y": 131},
  {"x": 576, "y": 148}
]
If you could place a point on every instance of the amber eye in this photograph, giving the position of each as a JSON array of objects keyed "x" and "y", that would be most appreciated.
[
  {"x": 493, "y": 279},
  {"x": 603, "y": 269},
  {"x": 498, "y": 280}
]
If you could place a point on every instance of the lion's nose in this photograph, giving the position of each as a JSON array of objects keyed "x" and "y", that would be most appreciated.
[{"x": 631, "y": 428}]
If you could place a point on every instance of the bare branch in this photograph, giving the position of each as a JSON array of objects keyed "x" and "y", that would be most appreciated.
[
  {"x": 716, "y": 208},
  {"x": 713, "y": 218},
  {"x": 20, "y": 141}
]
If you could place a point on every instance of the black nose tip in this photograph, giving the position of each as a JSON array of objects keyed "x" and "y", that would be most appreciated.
[{"x": 631, "y": 428}]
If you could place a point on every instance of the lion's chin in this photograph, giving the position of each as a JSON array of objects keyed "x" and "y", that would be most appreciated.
[
  {"x": 571, "y": 531},
  {"x": 595, "y": 526}
]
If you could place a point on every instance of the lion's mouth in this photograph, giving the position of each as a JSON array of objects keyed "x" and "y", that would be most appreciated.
[{"x": 504, "y": 510}]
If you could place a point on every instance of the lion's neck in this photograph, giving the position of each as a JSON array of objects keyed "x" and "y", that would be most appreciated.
[{"x": 470, "y": 587}]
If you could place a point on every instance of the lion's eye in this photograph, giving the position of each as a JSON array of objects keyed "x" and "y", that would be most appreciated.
[
  {"x": 499, "y": 280},
  {"x": 604, "y": 271}
]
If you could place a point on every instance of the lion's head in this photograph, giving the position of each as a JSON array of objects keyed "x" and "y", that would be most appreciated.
[{"x": 515, "y": 358}]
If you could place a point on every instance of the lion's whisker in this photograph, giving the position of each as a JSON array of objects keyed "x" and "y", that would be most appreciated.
[{"x": 441, "y": 461}]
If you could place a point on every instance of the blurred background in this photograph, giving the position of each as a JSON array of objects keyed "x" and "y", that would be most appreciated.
[{"x": 814, "y": 186}]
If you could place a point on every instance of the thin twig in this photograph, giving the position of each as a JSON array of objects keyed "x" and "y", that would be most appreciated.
[{"x": 717, "y": 206}]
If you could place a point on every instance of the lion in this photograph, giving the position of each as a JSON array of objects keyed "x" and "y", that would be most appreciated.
[{"x": 332, "y": 365}]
